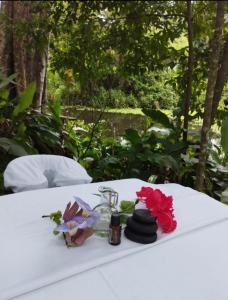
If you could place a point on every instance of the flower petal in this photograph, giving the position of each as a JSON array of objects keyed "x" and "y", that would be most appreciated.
[
  {"x": 82, "y": 204},
  {"x": 160, "y": 206},
  {"x": 70, "y": 211},
  {"x": 62, "y": 228},
  {"x": 82, "y": 235}
]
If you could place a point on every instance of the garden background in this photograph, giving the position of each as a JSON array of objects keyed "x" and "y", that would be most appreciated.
[{"x": 127, "y": 88}]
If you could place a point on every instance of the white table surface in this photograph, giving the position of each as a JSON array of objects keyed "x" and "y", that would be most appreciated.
[{"x": 190, "y": 263}]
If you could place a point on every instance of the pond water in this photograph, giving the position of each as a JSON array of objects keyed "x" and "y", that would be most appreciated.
[{"x": 116, "y": 122}]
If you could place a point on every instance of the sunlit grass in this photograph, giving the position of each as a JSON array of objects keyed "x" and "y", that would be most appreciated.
[{"x": 133, "y": 111}]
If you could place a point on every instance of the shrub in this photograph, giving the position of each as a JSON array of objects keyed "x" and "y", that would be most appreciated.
[
  {"x": 114, "y": 98},
  {"x": 154, "y": 90}
]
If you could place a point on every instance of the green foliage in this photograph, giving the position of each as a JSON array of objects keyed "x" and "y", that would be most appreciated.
[
  {"x": 115, "y": 54},
  {"x": 143, "y": 154},
  {"x": 127, "y": 206},
  {"x": 158, "y": 117},
  {"x": 153, "y": 89},
  {"x": 148, "y": 155},
  {"x": 114, "y": 98},
  {"x": 224, "y": 136},
  {"x": 5, "y": 81},
  {"x": 12, "y": 147},
  {"x": 44, "y": 132},
  {"x": 56, "y": 86},
  {"x": 216, "y": 176},
  {"x": 55, "y": 109},
  {"x": 107, "y": 43},
  {"x": 25, "y": 99},
  {"x": 24, "y": 131},
  {"x": 56, "y": 217},
  {"x": 137, "y": 155},
  {"x": 86, "y": 141}
]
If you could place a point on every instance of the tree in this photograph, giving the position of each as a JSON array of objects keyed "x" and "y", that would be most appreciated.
[
  {"x": 110, "y": 39},
  {"x": 189, "y": 71},
  {"x": 25, "y": 45},
  {"x": 221, "y": 80},
  {"x": 216, "y": 45}
]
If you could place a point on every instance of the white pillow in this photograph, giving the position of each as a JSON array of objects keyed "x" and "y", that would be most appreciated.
[{"x": 42, "y": 171}]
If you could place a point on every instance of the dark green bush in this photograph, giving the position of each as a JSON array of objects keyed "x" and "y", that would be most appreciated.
[
  {"x": 114, "y": 98},
  {"x": 152, "y": 90}
]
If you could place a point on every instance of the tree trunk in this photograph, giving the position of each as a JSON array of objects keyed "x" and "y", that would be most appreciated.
[
  {"x": 2, "y": 38},
  {"x": 212, "y": 75},
  {"x": 20, "y": 54},
  {"x": 221, "y": 80},
  {"x": 189, "y": 71},
  {"x": 40, "y": 60}
]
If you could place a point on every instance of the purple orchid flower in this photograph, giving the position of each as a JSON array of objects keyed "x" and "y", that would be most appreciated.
[
  {"x": 79, "y": 219},
  {"x": 82, "y": 204}
]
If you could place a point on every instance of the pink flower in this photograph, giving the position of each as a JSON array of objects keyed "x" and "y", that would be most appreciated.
[{"x": 160, "y": 206}]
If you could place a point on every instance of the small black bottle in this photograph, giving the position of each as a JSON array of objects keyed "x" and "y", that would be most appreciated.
[{"x": 115, "y": 229}]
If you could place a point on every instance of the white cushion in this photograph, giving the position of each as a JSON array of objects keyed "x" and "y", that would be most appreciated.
[{"x": 42, "y": 171}]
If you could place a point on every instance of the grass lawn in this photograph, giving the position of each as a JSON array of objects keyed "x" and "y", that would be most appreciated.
[{"x": 133, "y": 111}]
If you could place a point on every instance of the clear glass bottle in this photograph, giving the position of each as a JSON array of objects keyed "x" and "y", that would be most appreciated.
[{"x": 108, "y": 204}]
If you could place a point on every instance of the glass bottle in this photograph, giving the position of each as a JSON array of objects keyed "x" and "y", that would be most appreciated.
[
  {"x": 115, "y": 229},
  {"x": 108, "y": 204}
]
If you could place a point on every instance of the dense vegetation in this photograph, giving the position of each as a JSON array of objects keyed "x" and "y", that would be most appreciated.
[{"x": 149, "y": 54}]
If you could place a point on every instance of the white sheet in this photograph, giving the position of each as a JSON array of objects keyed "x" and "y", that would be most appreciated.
[{"x": 32, "y": 258}]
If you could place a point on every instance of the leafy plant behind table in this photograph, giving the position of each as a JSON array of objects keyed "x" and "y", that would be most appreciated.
[
  {"x": 152, "y": 155},
  {"x": 24, "y": 131},
  {"x": 140, "y": 155}
]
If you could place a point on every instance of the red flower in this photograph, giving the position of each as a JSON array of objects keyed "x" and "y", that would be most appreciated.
[
  {"x": 166, "y": 221},
  {"x": 160, "y": 206}
]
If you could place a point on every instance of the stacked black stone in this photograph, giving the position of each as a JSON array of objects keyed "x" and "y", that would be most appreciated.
[{"x": 141, "y": 227}]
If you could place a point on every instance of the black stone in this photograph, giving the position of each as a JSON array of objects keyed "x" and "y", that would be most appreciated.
[
  {"x": 140, "y": 238},
  {"x": 143, "y": 216},
  {"x": 141, "y": 228}
]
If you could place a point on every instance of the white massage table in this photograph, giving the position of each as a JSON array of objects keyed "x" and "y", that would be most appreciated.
[{"x": 190, "y": 263}]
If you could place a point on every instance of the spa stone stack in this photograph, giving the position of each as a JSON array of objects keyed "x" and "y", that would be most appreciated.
[{"x": 141, "y": 227}]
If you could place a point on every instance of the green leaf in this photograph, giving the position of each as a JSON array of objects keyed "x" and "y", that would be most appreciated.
[
  {"x": 55, "y": 108},
  {"x": 12, "y": 147},
  {"x": 127, "y": 206},
  {"x": 132, "y": 136},
  {"x": 2, "y": 104},
  {"x": 164, "y": 161},
  {"x": 152, "y": 178},
  {"x": 178, "y": 146},
  {"x": 8, "y": 80},
  {"x": 224, "y": 135},
  {"x": 158, "y": 117},
  {"x": 25, "y": 99},
  {"x": 56, "y": 217},
  {"x": 4, "y": 94},
  {"x": 55, "y": 232}
]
